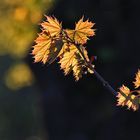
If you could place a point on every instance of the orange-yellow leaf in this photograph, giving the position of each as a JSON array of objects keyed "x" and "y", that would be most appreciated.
[
  {"x": 82, "y": 31},
  {"x": 40, "y": 50},
  {"x": 137, "y": 79},
  {"x": 126, "y": 98},
  {"x": 68, "y": 59},
  {"x": 73, "y": 61},
  {"x": 52, "y": 25},
  {"x": 46, "y": 49}
]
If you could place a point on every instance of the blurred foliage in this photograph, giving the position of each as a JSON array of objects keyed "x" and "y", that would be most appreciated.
[
  {"x": 18, "y": 27},
  {"x": 20, "y": 113}
]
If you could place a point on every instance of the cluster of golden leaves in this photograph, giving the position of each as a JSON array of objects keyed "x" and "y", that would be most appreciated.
[
  {"x": 130, "y": 98},
  {"x": 55, "y": 42}
]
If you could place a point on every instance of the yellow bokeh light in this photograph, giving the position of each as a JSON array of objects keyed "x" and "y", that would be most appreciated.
[
  {"x": 18, "y": 26},
  {"x": 18, "y": 76},
  {"x": 20, "y": 13}
]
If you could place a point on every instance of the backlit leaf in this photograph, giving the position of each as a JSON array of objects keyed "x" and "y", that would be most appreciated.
[
  {"x": 83, "y": 30},
  {"x": 52, "y": 26},
  {"x": 137, "y": 79},
  {"x": 126, "y": 98},
  {"x": 73, "y": 61},
  {"x": 46, "y": 49}
]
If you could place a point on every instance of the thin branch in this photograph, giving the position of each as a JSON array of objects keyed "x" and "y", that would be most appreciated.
[
  {"x": 89, "y": 65},
  {"x": 98, "y": 76},
  {"x": 105, "y": 83}
]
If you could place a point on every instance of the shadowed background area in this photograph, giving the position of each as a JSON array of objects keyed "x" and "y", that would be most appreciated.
[{"x": 37, "y": 102}]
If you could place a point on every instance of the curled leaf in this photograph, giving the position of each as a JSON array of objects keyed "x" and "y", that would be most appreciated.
[
  {"x": 125, "y": 97},
  {"x": 137, "y": 79}
]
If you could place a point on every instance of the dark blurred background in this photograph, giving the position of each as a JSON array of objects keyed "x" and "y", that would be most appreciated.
[{"x": 37, "y": 102}]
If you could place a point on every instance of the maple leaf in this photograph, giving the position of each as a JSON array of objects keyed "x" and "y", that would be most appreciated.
[
  {"x": 67, "y": 60},
  {"x": 125, "y": 97},
  {"x": 83, "y": 30},
  {"x": 46, "y": 49},
  {"x": 72, "y": 61},
  {"x": 137, "y": 79},
  {"x": 52, "y": 25}
]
